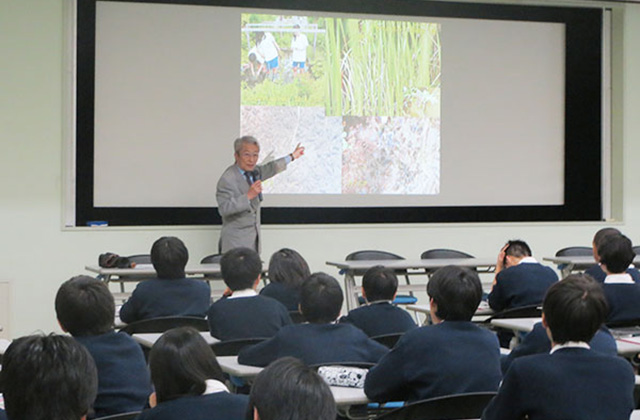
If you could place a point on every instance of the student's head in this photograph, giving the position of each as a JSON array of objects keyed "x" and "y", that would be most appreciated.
[
  {"x": 379, "y": 283},
  {"x": 515, "y": 251},
  {"x": 616, "y": 253},
  {"x": 180, "y": 363},
  {"x": 289, "y": 390},
  {"x": 288, "y": 267},
  {"x": 85, "y": 306},
  {"x": 574, "y": 309},
  {"x": 247, "y": 152},
  {"x": 599, "y": 237},
  {"x": 240, "y": 268},
  {"x": 320, "y": 298},
  {"x": 169, "y": 256},
  {"x": 48, "y": 378},
  {"x": 456, "y": 293}
]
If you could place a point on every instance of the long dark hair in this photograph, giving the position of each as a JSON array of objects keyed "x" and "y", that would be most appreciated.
[{"x": 180, "y": 363}]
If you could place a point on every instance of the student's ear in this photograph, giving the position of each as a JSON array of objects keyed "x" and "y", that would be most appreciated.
[
  {"x": 153, "y": 400},
  {"x": 255, "y": 283},
  {"x": 433, "y": 308},
  {"x": 546, "y": 327},
  {"x": 62, "y": 326},
  {"x": 300, "y": 309},
  {"x": 256, "y": 416}
]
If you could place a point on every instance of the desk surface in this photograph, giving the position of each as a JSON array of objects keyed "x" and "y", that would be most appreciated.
[
  {"x": 579, "y": 260},
  {"x": 148, "y": 270},
  {"x": 149, "y": 339},
  {"x": 343, "y": 396},
  {"x": 417, "y": 264}
]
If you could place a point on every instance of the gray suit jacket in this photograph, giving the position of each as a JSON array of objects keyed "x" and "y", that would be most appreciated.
[{"x": 241, "y": 217}]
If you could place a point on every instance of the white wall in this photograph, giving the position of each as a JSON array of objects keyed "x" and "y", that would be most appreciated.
[{"x": 36, "y": 254}]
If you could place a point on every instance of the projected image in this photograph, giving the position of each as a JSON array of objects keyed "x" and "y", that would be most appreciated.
[{"x": 363, "y": 96}]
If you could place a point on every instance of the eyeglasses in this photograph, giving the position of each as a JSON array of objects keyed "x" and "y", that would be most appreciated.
[{"x": 250, "y": 155}]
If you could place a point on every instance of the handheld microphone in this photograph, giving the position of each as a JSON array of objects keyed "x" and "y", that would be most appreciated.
[{"x": 257, "y": 177}]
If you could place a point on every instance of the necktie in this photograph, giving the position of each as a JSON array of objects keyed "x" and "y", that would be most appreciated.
[{"x": 247, "y": 175}]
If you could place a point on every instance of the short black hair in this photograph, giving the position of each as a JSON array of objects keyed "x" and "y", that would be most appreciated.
[
  {"x": 603, "y": 233},
  {"x": 518, "y": 248},
  {"x": 379, "y": 283},
  {"x": 240, "y": 268},
  {"x": 320, "y": 298},
  {"x": 457, "y": 291},
  {"x": 180, "y": 363},
  {"x": 85, "y": 306},
  {"x": 575, "y": 308},
  {"x": 48, "y": 378},
  {"x": 288, "y": 267},
  {"x": 616, "y": 252},
  {"x": 287, "y": 389},
  {"x": 169, "y": 256}
]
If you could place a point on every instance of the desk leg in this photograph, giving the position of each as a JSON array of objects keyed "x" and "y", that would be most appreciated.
[
  {"x": 350, "y": 290},
  {"x": 566, "y": 270}
]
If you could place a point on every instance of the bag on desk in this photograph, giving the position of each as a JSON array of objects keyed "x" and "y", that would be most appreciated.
[
  {"x": 351, "y": 377},
  {"x": 111, "y": 260}
]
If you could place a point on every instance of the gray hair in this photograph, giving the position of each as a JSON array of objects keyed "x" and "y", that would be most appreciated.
[{"x": 237, "y": 144}]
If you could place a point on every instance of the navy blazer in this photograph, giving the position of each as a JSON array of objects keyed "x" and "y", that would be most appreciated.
[
  {"x": 571, "y": 383},
  {"x": 288, "y": 296},
  {"x": 216, "y": 406},
  {"x": 452, "y": 357},
  {"x": 624, "y": 301},
  {"x": 380, "y": 318},
  {"x": 521, "y": 285},
  {"x": 599, "y": 275},
  {"x": 123, "y": 378},
  {"x": 163, "y": 297},
  {"x": 315, "y": 344},
  {"x": 537, "y": 341},
  {"x": 246, "y": 317}
]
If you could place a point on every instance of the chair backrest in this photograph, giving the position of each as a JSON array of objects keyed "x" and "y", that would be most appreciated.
[
  {"x": 388, "y": 340},
  {"x": 122, "y": 416},
  {"x": 636, "y": 249},
  {"x": 297, "y": 317},
  {"x": 530, "y": 311},
  {"x": 212, "y": 259},
  {"x": 575, "y": 251},
  {"x": 443, "y": 253},
  {"x": 233, "y": 347},
  {"x": 162, "y": 324},
  {"x": 461, "y": 406},
  {"x": 368, "y": 255},
  {"x": 140, "y": 258}
]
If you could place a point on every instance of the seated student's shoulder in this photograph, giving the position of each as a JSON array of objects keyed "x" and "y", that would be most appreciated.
[{"x": 217, "y": 406}]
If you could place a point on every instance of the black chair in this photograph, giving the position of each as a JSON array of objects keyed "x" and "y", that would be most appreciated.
[
  {"x": 369, "y": 255},
  {"x": 233, "y": 347},
  {"x": 212, "y": 259},
  {"x": 443, "y": 253},
  {"x": 122, "y": 416},
  {"x": 388, "y": 340},
  {"x": 636, "y": 249},
  {"x": 575, "y": 251},
  {"x": 461, "y": 406},
  {"x": 162, "y": 324},
  {"x": 297, "y": 317}
]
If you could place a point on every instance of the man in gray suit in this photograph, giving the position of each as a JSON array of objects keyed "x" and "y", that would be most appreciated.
[{"x": 239, "y": 193}]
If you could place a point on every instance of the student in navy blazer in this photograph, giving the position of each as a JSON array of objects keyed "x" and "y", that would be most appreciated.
[
  {"x": 171, "y": 294},
  {"x": 188, "y": 381},
  {"x": 379, "y": 316},
  {"x": 537, "y": 341},
  {"x": 287, "y": 270},
  {"x": 520, "y": 280},
  {"x": 453, "y": 356},
  {"x": 596, "y": 271},
  {"x": 573, "y": 381},
  {"x": 622, "y": 292},
  {"x": 321, "y": 341},
  {"x": 85, "y": 308},
  {"x": 242, "y": 313}
]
